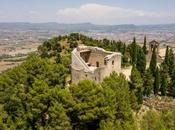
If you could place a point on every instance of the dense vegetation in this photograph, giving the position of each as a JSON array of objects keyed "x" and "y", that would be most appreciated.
[{"x": 37, "y": 95}]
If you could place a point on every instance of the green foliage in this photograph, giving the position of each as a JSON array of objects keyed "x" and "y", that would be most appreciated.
[
  {"x": 92, "y": 104},
  {"x": 123, "y": 114},
  {"x": 152, "y": 121},
  {"x": 144, "y": 48},
  {"x": 157, "y": 82},
  {"x": 172, "y": 84},
  {"x": 168, "y": 118},
  {"x": 167, "y": 58},
  {"x": 50, "y": 48},
  {"x": 167, "y": 73},
  {"x": 171, "y": 62},
  {"x": 133, "y": 51},
  {"x": 148, "y": 83},
  {"x": 35, "y": 94},
  {"x": 26, "y": 97},
  {"x": 164, "y": 79},
  {"x": 136, "y": 85},
  {"x": 153, "y": 62},
  {"x": 141, "y": 61}
]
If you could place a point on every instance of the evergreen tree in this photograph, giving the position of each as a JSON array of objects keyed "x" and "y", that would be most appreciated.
[
  {"x": 164, "y": 84},
  {"x": 133, "y": 51},
  {"x": 124, "y": 48},
  {"x": 136, "y": 84},
  {"x": 166, "y": 60},
  {"x": 141, "y": 61},
  {"x": 144, "y": 46},
  {"x": 164, "y": 79},
  {"x": 89, "y": 108},
  {"x": 157, "y": 82},
  {"x": 119, "y": 85},
  {"x": 171, "y": 62},
  {"x": 148, "y": 83},
  {"x": 153, "y": 62},
  {"x": 172, "y": 84}
]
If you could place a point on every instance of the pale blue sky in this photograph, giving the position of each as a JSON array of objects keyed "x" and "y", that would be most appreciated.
[{"x": 94, "y": 11}]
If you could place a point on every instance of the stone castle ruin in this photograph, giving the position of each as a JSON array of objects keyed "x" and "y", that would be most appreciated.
[{"x": 93, "y": 63}]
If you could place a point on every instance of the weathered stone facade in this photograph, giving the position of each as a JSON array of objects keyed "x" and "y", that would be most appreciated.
[{"x": 93, "y": 63}]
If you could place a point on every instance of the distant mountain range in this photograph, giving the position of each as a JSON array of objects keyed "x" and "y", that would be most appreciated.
[{"x": 87, "y": 27}]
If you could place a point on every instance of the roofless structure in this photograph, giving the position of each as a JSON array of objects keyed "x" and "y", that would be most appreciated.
[{"x": 93, "y": 63}]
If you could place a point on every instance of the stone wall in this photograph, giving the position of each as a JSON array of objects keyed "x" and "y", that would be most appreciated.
[{"x": 82, "y": 69}]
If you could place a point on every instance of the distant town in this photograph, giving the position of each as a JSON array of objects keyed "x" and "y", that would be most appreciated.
[{"x": 19, "y": 39}]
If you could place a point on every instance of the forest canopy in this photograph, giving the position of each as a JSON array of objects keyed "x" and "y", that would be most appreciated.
[{"x": 38, "y": 94}]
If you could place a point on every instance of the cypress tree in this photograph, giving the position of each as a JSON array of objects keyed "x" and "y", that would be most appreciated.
[
  {"x": 141, "y": 61},
  {"x": 164, "y": 79},
  {"x": 157, "y": 82},
  {"x": 164, "y": 85},
  {"x": 166, "y": 60},
  {"x": 171, "y": 62},
  {"x": 144, "y": 46},
  {"x": 153, "y": 63},
  {"x": 136, "y": 84},
  {"x": 172, "y": 84},
  {"x": 148, "y": 83},
  {"x": 134, "y": 51},
  {"x": 124, "y": 48}
]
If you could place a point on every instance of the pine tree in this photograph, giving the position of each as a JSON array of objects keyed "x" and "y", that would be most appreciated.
[
  {"x": 157, "y": 82},
  {"x": 144, "y": 46},
  {"x": 148, "y": 83},
  {"x": 141, "y": 61},
  {"x": 153, "y": 63}
]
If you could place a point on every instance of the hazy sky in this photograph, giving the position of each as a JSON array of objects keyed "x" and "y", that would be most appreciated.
[{"x": 94, "y": 11}]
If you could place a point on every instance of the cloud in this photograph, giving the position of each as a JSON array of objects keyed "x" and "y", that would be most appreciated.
[{"x": 100, "y": 14}]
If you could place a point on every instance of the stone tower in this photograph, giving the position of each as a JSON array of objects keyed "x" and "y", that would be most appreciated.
[{"x": 153, "y": 44}]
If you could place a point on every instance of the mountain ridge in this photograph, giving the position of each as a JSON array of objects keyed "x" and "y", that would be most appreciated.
[{"x": 85, "y": 26}]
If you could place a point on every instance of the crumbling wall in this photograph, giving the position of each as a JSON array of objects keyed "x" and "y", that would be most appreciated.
[{"x": 107, "y": 63}]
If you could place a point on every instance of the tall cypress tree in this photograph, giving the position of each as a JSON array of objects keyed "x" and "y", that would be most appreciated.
[
  {"x": 157, "y": 82},
  {"x": 166, "y": 60},
  {"x": 171, "y": 62},
  {"x": 144, "y": 46},
  {"x": 148, "y": 83},
  {"x": 172, "y": 84},
  {"x": 134, "y": 51},
  {"x": 172, "y": 91},
  {"x": 164, "y": 85},
  {"x": 164, "y": 79},
  {"x": 136, "y": 84},
  {"x": 153, "y": 63},
  {"x": 141, "y": 61}
]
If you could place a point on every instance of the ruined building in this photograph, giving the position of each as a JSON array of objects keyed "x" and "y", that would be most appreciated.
[
  {"x": 93, "y": 63},
  {"x": 153, "y": 44}
]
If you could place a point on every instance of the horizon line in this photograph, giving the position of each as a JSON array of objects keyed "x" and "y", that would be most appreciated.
[{"x": 84, "y": 23}]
